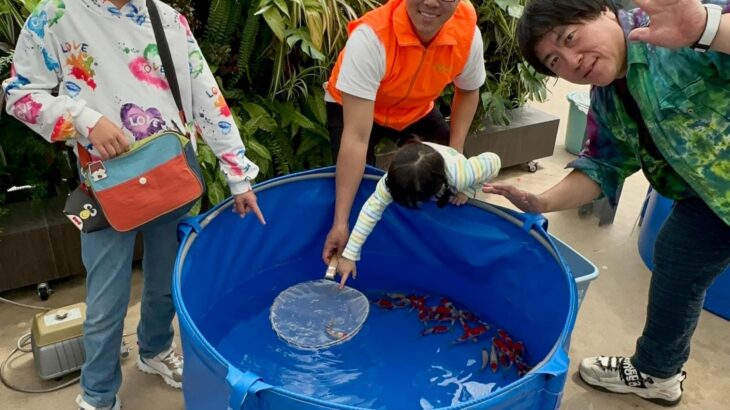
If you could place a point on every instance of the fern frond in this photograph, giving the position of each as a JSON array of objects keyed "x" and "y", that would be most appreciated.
[
  {"x": 248, "y": 42},
  {"x": 234, "y": 17},
  {"x": 217, "y": 21}
]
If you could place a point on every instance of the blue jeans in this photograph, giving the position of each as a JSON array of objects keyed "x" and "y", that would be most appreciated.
[
  {"x": 107, "y": 256},
  {"x": 692, "y": 248}
]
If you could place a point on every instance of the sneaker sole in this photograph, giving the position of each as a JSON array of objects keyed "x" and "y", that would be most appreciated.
[
  {"x": 144, "y": 368},
  {"x": 661, "y": 402}
]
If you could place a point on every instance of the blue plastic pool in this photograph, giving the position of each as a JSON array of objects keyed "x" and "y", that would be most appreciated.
[{"x": 501, "y": 265}]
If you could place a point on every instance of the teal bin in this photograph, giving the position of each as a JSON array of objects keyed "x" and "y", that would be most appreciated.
[{"x": 580, "y": 101}]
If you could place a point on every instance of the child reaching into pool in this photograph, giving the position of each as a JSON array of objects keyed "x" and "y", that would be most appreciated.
[{"x": 420, "y": 171}]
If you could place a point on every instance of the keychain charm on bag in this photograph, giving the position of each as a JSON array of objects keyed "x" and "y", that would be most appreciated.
[{"x": 84, "y": 211}]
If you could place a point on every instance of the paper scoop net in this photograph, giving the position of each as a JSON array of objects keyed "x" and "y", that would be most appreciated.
[{"x": 318, "y": 314}]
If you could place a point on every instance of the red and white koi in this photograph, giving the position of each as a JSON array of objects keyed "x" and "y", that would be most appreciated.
[
  {"x": 506, "y": 355},
  {"x": 485, "y": 358},
  {"x": 333, "y": 333},
  {"x": 493, "y": 359},
  {"x": 435, "y": 330},
  {"x": 507, "y": 339},
  {"x": 471, "y": 332},
  {"x": 384, "y": 303}
]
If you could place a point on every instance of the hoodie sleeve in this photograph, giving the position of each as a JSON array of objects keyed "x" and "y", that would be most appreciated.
[
  {"x": 36, "y": 72},
  {"x": 212, "y": 115}
]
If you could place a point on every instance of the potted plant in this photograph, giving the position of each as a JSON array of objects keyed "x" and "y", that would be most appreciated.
[{"x": 503, "y": 123}]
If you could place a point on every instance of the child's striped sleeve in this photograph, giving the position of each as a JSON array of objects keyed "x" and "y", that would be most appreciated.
[{"x": 370, "y": 214}]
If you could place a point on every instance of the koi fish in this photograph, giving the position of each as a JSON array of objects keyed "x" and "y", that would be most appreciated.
[
  {"x": 493, "y": 360},
  {"x": 426, "y": 314},
  {"x": 396, "y": 296},
  {"x": 506, "y": 338},
  {"x": 435, "y": 330},
  {"x": 417, "y": 302},
  {"x": 333, "y": 333},
  {"x": 471, "y": 332},
  {"x": 392, "y": 300},
  {"x": 506, "y": 355},
  {"x": 522, "y": 366},
  {"x": 485, "y": 358},
  {"x": 383, "y": 303},
  {"x": 519, "y": 349},
  {"x": 470, "y": 317},
  {"x": 446, "y": 312}
]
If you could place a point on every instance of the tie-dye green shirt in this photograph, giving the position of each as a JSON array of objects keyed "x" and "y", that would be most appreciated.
[{"x": 684, "y": 99}]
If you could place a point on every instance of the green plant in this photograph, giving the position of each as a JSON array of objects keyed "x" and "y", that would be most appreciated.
[
  {"x": 28, "y": 160},
  {"x": 270, "y": 58},
  {"x": 511, "y": 82},
  {"x": 12, "y": 16},
  {"x": 25, "y": 159}
]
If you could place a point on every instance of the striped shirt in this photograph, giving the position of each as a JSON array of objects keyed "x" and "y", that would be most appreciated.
[{"x": 463, "y": 175}]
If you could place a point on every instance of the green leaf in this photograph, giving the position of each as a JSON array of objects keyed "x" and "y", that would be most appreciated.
[
  {"x": 316, "y": 103},
  {"x": 315, "y": 24},
  {"x": 234, "y": 95},
  {"x": 275, "y": 21},
  {"x": 515, "y": 11},
  {"x": 216, "y": 192},
  {"x": 258, "y": 149},
  {"x": 283, "y": 7},
  {"x": 206, "y": 156},
  {"x": 307, "y": 47},
  {"x": 260, "y": 118},
  {"x": 195, "y": 210},
  {"x": 309, "y": 142},
  {"x": 290, "y": 115}
]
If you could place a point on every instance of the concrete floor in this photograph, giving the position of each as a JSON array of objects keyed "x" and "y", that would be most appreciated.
[{"x": 611, "y": 318}]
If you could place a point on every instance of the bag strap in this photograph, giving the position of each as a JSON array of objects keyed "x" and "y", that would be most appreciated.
[{"x": 164, "y": 48}]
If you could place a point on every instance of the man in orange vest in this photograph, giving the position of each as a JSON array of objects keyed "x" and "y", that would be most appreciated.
[{"x": 398, "y": 59}]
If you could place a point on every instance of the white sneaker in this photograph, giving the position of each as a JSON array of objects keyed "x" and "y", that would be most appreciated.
[
  {"x": 167, "y": 364},
  {"x": 83, "y": 405},
  {"x": 616, "y": 374}
]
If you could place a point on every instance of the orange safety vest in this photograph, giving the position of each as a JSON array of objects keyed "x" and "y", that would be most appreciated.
[{"x": 414, "y": 75}]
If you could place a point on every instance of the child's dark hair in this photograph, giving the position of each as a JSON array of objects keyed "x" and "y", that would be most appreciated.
[{"x": 416, "y": 174}]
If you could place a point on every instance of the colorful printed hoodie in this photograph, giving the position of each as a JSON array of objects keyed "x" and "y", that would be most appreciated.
[{"x": 104, "y": 61}]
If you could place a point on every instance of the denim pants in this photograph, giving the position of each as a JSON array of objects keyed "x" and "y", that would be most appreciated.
[
  {"x": 107, "y": 256},
  {"x": 692, "y": 248}
]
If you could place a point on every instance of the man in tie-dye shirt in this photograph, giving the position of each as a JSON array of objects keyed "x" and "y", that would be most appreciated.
[
  {"x": 660, "y": 102},
  {"x": 102, "y": 57}
]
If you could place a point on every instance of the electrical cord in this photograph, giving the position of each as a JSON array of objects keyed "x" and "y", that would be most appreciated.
[
  {"x": 21, "y": 347},
  {"x": 24, "y": 305}
]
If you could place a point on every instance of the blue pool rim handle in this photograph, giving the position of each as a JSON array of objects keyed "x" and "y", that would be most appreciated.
[{"x": 242, "y": 384}]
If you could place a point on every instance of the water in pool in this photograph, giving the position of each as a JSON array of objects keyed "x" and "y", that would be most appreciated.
[{"x": 389, "y": 364}]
